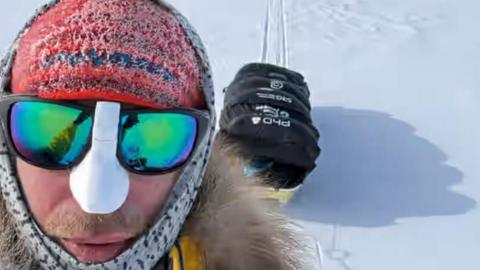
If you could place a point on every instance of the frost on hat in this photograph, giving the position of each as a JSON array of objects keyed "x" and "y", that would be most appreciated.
[{"x": 132, "y": 51}]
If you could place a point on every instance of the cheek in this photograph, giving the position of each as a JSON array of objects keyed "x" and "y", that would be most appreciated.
[
  {"x": 43, "y": 189},
  {"x": 149, "y": 193}
]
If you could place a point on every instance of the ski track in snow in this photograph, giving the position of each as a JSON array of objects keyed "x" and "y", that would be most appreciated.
[{"x": 344, "y": 21}]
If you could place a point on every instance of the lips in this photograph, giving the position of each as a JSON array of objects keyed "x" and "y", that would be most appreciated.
[{"x": 99, "y": 248}]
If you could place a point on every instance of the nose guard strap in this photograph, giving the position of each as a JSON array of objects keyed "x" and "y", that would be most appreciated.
[{"x": 99, "y": 183}]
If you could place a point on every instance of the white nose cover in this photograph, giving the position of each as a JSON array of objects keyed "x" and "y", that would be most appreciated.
[{"x": 99, "y": 183}]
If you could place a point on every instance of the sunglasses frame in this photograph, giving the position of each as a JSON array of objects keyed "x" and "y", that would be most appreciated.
[{"x": 202, "y": 118}]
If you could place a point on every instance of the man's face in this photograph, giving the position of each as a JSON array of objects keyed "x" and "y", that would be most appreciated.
[{"x": 88, "y": 237}]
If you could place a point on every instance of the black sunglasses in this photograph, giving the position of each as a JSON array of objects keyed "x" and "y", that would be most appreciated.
[{"x": 56, "y": 135}]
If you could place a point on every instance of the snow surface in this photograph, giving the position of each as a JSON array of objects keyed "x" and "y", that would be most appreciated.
[{"x": 394, "y": 89}]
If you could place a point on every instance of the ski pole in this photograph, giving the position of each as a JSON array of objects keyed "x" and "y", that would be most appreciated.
[
  {"x": 275, "y": 41},
  {"x": 275, "y": 51}
]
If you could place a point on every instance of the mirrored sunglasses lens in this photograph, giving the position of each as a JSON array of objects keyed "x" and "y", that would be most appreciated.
[
  {"x": 157, "y": 141},
  {"x": 48, "y": 134}
]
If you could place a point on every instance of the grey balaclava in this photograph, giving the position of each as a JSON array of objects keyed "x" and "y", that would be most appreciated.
[{"x": 158, "y": 240}]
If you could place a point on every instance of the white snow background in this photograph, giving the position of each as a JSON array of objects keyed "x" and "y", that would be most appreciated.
[{"x": 395, "y": 96}]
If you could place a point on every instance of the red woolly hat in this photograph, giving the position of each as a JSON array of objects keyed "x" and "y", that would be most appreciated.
[{"x": 132, "y": 51}]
